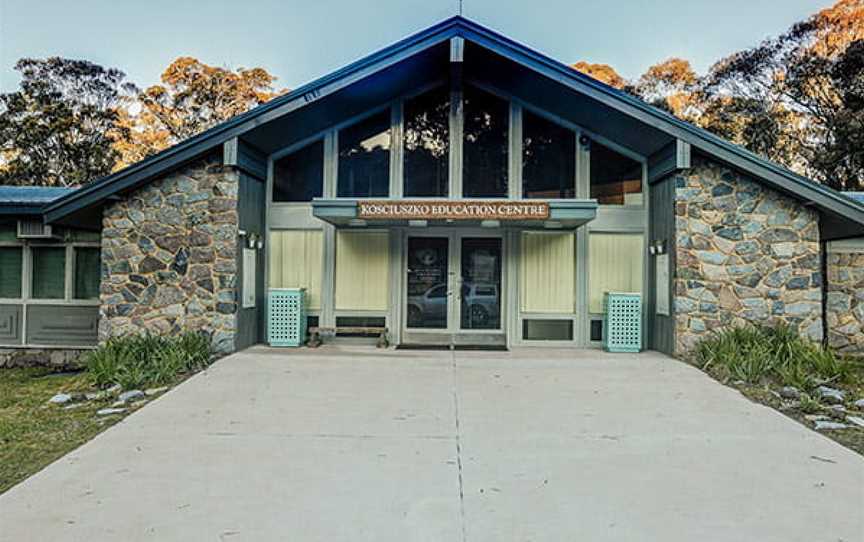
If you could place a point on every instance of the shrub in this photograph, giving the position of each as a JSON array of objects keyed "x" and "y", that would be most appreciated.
[
  {"x": 760, "y": 354},
  {"x": 146, "y": 360}
]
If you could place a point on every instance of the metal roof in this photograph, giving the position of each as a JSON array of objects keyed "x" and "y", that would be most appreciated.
[
  {"x": 29, "y": 200},
  {"x": 32, "y": 194},
  {"x": 857, "y": 196},
  {"x": 773, "y": 174}
]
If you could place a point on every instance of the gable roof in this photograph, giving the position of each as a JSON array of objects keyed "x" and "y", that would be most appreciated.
[{"x": 773, "y": 174}]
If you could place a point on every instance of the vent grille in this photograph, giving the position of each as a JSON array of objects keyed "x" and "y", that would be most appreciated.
[{"x": 33, "y": 229}]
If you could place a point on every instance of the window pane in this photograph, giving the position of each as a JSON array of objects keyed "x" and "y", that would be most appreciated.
[
  {"x": 8, "y": 232},
  {"x": 364, "y": 158},
  {"x": 49, "y": 265},
  {"x": 547, "y": 330},
  {"x": 86, "y": 273},
  {"x": 615, "y": 265},
  {"x": 299, "y": 176},
  {"x": 427, "y": 145},
  {"x": 484, "y": 166},
  {"x": 548, "y": 159},
  {"x": 10, "y": 272},
  {"x": 615, "y": 178}
]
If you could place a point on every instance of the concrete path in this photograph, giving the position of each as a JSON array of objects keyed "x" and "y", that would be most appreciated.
[{"x": 354, "y": 444}]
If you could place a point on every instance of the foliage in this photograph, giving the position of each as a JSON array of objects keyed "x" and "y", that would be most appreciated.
[
  {"x": 602, "y": 72},
  {"x": 761, "y": 354},
  {"x": 146, "y": 360},
  {"x": 59, "y": 127},
  {"x": 797, "y": 98},
  {"x": 191, "y": 98}
]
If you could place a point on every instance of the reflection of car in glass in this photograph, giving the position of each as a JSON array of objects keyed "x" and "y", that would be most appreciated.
[
  {"x": 429, "y": 307},
  {"x": 480, "y": 304}
]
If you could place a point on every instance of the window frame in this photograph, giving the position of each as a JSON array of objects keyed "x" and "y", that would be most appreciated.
[
  {"x": 68, "y": 298},
  {"x": 330, "y": 137},
  {"x": 290, "y": 149}
]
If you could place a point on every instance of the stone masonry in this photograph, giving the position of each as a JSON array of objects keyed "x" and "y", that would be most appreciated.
[
  {"x": 745, "y": 253},
  {"x": 169, "y": 257},
  {"x": 845, "y": 301}
]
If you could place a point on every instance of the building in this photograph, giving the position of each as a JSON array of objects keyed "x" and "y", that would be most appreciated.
[{"x": 455, "y": 188}]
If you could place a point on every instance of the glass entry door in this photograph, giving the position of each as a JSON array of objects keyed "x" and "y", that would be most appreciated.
[
  {"x": 454, "y": 289},
  {"x": 480, "y": 283},
  {"x": 428, "y": 292}
]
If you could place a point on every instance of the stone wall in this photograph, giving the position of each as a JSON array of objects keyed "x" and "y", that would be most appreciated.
[
  {"x": 169, "y": 257},
  {"x": 844, "y": 309},
  {"x": 745, "y": 253},
  {"x": 53, "y": 358}
]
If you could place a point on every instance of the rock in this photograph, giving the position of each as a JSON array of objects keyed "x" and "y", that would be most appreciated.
[
  {"x": 815, "y": 417},
  {"x": 118, "y": 404},
  {"x": 110, "y": 411},
  {"x": 95, "y": 396},
  {"x": 857, "y": 420},
  {"x": 60, "y": 398},
  {"x": 136, "y": 404},
  {"x": 155, "y": 391},
  {"x": 790, "y": 392},
  {"x": 838, "y": 412},
  {"x": 859, "y": 403},
  {"x": 822, "y": 425},
  {"x": 73, "y": 406},
  {"x": 831, "y": 395},
  {"x": 131, "y": 395},
  {"x": 114, "y": 389}
]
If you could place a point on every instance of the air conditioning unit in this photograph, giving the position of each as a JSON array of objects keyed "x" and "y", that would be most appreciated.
[{"x": 33, "y": 229}]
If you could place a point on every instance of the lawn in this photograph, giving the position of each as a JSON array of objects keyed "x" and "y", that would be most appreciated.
[{"x": 34, "y": 432}]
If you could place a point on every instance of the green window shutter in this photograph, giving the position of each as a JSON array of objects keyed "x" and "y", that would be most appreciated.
[
  {"x": 10, "y": 272},
  {"x": 86, "y": 273},
  {"x": 49, "y": 265},
  {"x": 8, "y": 232}
]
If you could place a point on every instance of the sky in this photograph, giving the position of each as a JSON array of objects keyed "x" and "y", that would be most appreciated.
[{"x": 300, "y": 41}]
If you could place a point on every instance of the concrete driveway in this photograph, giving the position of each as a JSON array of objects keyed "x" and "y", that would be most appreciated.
[{"x": 356, "y": 444}]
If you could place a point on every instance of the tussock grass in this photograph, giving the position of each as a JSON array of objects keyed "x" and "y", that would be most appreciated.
[
  {"x": 147, "y": 360},
  {"x": 763, "y": 355}
]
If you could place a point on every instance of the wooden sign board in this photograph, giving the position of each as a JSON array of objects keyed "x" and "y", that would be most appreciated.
[{"x": 452, "y": 210}]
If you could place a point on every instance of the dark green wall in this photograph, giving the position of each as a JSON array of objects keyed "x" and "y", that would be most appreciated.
[
  {"x": 661, "y": 329},
  {"x": 251, "y": 210}
]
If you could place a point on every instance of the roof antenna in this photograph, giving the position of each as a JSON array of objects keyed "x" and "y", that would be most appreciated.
[{"x": 460, "y": 8}]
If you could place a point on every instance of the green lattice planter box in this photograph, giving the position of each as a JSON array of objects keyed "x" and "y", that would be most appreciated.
[
  {"x": 286, "y": 317},
  {"x": 622, "y": 322}
]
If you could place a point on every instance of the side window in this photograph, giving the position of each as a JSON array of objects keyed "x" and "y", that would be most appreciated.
[
  {"x": 427, "y": 144},
  {"x": 548, "y": 159},
  {"x": 49, "y": 272},
  {"x": 86, "y": 273},
  {"x": 299, "y": 176},
  {"x": 10, "y": 272},
  {"x": 484, "y": 145},
  {"x": 364, "y": 158},
  {"x": 615, "y": 179}
]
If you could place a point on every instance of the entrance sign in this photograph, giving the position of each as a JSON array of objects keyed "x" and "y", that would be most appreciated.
[{"x": 453, "y": 210}]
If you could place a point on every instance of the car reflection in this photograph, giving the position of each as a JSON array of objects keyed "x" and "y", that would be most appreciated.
[{"x": 480, "y": 306}]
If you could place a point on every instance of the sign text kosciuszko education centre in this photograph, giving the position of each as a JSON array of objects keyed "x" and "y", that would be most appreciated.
[{"x": 453, "y": 210}]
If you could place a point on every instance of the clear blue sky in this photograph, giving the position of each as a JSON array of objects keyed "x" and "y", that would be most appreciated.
[{"x": 299, "y": 41}]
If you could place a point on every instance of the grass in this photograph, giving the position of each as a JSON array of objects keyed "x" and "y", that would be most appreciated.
[
  {"x": 771, "y": 355},
  {"x": 34, "y": 433},
  {"x": 760, "y": 360},
  {"x": 147, "y": 360}
]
